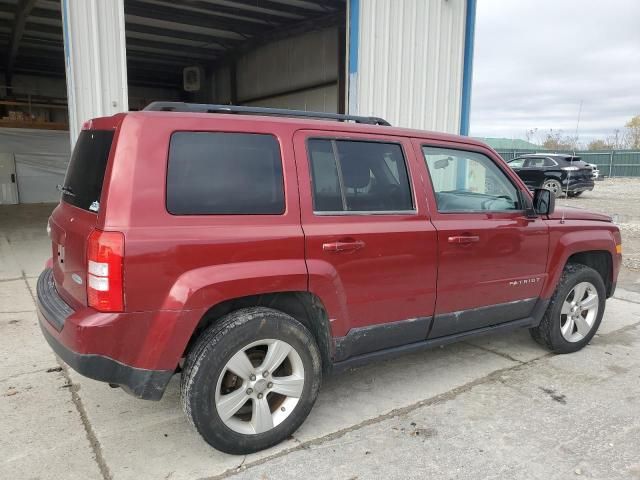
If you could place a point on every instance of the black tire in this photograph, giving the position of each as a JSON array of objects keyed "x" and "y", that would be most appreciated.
[
  {"x": 205, "y": 363},
  {"x": 548, "y": 333},
  {"x": 574, "y": 194},
  {"x": 554, "y": 186}
]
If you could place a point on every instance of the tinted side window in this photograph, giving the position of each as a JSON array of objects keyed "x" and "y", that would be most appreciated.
[
  {"x": 224, "y": 173},
  {"x": 468, "y": 182},
  {"x": 535, "y": 162},
  {"x": 358, "y": 176},
  {"x": 85, "y": 175}
]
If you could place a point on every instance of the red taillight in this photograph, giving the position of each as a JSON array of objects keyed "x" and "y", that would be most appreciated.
[{"x": 105, "y": 254}]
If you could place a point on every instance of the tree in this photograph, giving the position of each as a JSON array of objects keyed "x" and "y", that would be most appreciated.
[
  {"x": 616, "y": 141},
  {"x": 599, "y": 145},
  {"x": 632, "y": 132},
  {"x": 556, "y": 140}
]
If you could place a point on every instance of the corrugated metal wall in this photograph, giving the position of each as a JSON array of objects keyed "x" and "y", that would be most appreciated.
[
  {"x": 300, "y": 72},
  {"x": 321, "y": 99},
  {"x": 95, "y": 60},
  {"x": 410, "y": 62}
]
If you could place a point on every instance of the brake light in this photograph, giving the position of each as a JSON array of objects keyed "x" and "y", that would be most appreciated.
[{"x": 105, "y": 255}]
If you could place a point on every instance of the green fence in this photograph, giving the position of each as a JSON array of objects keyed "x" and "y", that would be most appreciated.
[{"x": 616, "y": 163}]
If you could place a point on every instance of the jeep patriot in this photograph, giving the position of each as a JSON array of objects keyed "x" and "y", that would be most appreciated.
[{"x": 256, "y": 250}]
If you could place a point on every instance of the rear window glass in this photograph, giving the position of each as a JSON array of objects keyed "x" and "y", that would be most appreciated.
[
  {"x": 85, "y": 175},
  {"x": 213, "y": 173}
]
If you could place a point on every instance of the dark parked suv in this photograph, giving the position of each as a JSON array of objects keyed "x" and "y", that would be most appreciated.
[
  {"x": 254, "y": 254},
  {"x": 562, "y": 174}
]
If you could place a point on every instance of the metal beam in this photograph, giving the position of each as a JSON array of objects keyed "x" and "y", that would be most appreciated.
[
  {"x": 207, "y": 39},
  {"x": 278, "y": 7},
  {"x": 224, "y": 11},
  {"x": 47, "y": 14},
  {"x": 467, "y": 73},
  {"x": 143, "y": 45},
  {"x": 146, "y": 57},
  {"x": 190, "y": 19},
  {"x": 43, "y": 31},
  {"x": 23, "y": 9}
]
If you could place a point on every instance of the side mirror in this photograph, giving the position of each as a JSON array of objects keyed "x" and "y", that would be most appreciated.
[
  {"x": 544, "y": 201},
  {"x": 442, "y": 163}
]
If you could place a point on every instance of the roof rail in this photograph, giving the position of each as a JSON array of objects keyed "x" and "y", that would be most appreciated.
[{"x": 280, "y": 112}]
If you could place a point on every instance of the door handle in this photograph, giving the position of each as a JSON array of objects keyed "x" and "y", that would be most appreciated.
[
  {"x": 464, "y": 239},
  {"x": 343, "y": 246}
]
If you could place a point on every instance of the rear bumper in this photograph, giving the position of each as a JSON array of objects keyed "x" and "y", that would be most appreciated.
[
  {"x": 73, "y": 334},
  {"x": 578, "y": 185},
  {"x": 141, "y": 383}
]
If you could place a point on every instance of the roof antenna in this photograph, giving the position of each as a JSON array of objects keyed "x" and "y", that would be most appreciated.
[{"x": 575, "y": 144}]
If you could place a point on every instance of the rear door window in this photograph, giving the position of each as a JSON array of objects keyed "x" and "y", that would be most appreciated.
[
  {"x": 85, "y": 175},
  {"x": 359, "y": 176},
  {"x": 216, "y": 173}
]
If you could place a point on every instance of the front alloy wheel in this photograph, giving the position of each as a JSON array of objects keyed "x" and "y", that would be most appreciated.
[
  {"x": 574, "y": 312},
  {"x": 579, "y": 312}
]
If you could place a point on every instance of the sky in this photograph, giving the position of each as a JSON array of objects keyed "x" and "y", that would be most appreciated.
[{"x": 536, "y": 60}]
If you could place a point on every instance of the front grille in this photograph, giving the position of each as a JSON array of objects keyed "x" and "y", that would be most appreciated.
[{"x": 54, "y": 309}]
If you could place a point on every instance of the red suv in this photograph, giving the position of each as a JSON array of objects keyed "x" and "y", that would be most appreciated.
[{"x": 255, "y": 250}]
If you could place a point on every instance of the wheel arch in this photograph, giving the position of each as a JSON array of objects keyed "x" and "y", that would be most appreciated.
[
  {"x": 305, "y": 307},
  {"x": 601, "y": 261}
]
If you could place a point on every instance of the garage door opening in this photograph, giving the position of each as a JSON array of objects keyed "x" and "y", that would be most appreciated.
[
  {"x": 269, "y": 53},
  {"x": 278, "y": 53}
]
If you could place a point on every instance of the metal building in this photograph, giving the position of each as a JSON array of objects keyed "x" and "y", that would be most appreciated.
[{"x": 408, "y": 61}]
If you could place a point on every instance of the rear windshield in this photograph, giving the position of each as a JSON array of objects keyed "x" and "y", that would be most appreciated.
[{"x": 83, "y": 182}]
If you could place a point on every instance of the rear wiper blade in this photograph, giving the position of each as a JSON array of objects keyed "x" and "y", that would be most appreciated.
[{"x": 66, "y": 190}]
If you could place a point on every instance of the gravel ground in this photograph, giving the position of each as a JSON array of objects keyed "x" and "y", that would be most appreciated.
[{"x": 620, "y": 198}]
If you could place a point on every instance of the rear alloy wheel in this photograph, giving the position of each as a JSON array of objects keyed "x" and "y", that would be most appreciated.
[
  {"x": 259, "y": 386},
  {"x": 251, "y": 380},
  {"x": 574, "y": 312},
  {"x": 553, "y": 186}
]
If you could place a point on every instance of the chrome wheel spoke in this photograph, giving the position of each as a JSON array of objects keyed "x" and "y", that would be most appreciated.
[
  {"x": 229, "y": 404},
  {"x": 578, "y": 292},
  {"x": 583, "y": 325},
  {"x": 290, "y": 386},
  {"x": 261, "y": 418},
  {"x": 590, "y": 302},
  {"x": 241, "y": 365},
  {"x": 567, "y": 328},
  {"x": 276, "y": 354},
  {"x": 566, "y": 308}
]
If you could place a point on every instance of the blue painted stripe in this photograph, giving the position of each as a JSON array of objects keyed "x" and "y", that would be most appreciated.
[
  {"x": 354, "y": 30},
  {"x": 65, "y": 30},
  {"x": 467, "y": 73}
]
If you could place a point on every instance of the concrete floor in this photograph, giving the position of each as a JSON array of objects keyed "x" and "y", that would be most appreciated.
[{"x": 496, "y": 407}]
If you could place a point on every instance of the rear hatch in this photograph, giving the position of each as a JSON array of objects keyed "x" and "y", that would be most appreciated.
[
  {"x": 77, "y": 214},
  {"x": 584, "y": 171}
]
